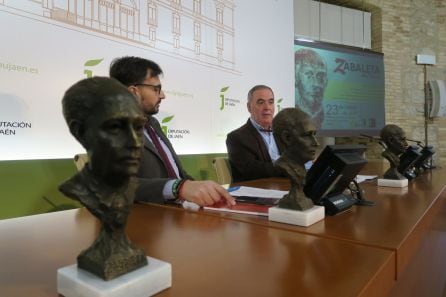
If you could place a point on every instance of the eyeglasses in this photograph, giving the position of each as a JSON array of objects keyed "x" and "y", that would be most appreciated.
[{"x": 156, "y": 88}]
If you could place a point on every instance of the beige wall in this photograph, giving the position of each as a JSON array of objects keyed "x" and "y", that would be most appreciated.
[{"x": 401, "y": 29}]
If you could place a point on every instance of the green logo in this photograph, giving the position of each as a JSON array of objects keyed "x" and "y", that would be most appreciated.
[
  {"x": 222, "y": 97},
  {"x": 164, "y": 121},
  {"x": 91, "y": 63},
  {"x": 278, "y": 104}
]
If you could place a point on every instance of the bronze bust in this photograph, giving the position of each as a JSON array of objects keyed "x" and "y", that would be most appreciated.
[
  {"x": 107, "y": 120},
  {"x": 394, "y": 139},
  {"x": 295, "y": 134}
]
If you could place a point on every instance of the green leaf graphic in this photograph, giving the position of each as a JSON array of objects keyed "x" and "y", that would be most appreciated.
[
  {"x": 167, "y": 119},
  {"x": 280, "y": 100},
  {"x": 222, "y": 97},
  {"x": 164, "y": 129},
  {"x": 88, "y": 73},
  {"x": 224, "y": 89},
  {"x": 93, "y": 62}
]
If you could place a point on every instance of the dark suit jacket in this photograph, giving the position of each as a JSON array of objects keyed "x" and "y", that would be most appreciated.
[
  {"x": 152, "y": 173},
  {"x": 248, "y": 155}
]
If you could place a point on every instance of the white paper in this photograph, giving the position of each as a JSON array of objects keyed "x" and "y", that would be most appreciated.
[
  {"x": 361, "y": 178},
  {"x": 257, "y": 192}
]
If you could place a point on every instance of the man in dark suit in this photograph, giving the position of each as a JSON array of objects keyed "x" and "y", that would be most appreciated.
[
  {"x": 252, "y": 148},
  {"x": 161, "y": 176}
]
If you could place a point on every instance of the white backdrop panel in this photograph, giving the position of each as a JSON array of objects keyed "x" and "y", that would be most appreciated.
[{"x": 46, "y": 45}]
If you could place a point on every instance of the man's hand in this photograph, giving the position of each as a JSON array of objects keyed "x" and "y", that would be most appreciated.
[{"x": 205, "y": 193}]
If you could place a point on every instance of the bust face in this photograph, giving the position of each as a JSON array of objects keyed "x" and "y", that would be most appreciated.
[
  {"x": 113, "y": 137},
  {"x": 300, "y": 141},
  {"x": 397, "y": 143}
]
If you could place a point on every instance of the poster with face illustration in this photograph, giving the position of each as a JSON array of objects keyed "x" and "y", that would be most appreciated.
[{"x": 341, "y": 88}]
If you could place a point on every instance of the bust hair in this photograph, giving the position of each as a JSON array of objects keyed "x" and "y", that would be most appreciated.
[
  {"x": 84, "y": 96},
  {"x": 389, "y": 131},
  {"x": 287, "y": 119}
]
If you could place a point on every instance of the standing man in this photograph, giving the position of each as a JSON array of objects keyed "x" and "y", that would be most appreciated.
[
  {"x": 161, "y": 177},
  {"x": 310, "y": 81},
  {"x": 252, "y": 148}
]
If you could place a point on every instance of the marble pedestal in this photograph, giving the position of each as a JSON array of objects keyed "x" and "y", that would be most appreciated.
[
  {"x": 395, "y": 183},
  {"x": 296, "y": 217},
  {"x": 143, "y": 282}
]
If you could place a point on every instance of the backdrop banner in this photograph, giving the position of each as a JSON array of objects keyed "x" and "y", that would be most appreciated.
[{"x": 211, "y": 52}]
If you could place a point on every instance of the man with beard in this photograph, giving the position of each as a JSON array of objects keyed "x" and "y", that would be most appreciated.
[
  {"x": 162, "y": 177},
  {"x": 310, "y": 82}
]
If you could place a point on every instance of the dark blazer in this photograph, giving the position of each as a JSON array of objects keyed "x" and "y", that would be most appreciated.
[
  {"x": 248, "y": 155},
  {"x": 152, "y": 173}
]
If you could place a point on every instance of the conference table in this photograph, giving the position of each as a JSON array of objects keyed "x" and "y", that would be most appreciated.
[
  {"x": 395, "y": 248},
  {"x": 409, "y": 221},
  {"x": 210, "y": 256}
]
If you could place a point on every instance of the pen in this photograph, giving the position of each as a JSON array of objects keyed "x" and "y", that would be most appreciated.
[
  {"x": 190, "y": 205},
  {"x": 232, "y": 189}
]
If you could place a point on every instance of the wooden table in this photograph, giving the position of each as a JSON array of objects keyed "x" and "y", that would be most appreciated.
[
  {"x": 402, "y": 221},
  {"x": 210, "y": 256}
]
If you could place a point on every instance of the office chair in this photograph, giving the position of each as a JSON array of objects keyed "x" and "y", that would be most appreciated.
[
  {"x": 80, "y": 160},
  {"x": 222, "y": 169}
]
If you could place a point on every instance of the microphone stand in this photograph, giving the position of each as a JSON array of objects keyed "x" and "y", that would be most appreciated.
[
  {"x": 419, "y": 143},
  {"x": 358, "y": 194},
  {"x": 381, "y": 143},
  {"x": 426, "y": 164}
]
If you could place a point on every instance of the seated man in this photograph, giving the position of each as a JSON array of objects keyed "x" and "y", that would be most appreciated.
[
  {"x": 252, "y": 148},
  {"x": 162, "y": 178}
]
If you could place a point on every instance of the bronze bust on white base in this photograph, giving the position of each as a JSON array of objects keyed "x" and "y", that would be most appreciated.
[
  {"x": 107, "y": 120},
  {"x": 395, "y": 140},
  {"x": 295, "y": 134}
]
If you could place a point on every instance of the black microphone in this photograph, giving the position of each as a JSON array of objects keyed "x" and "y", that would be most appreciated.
[
  {"x": 376, "y": 139},
  {"x": 369, "y": 136},
  {"x": 425, "y": 160},
  {"x": 419, "y": 143}
]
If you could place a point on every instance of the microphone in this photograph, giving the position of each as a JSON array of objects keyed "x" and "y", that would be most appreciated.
[
  {"x": 369, "y": 136},
  {"x": 375, "y": 139},
  {"x": 419, "y": 143},
  {"x": 425, "y": 160}
]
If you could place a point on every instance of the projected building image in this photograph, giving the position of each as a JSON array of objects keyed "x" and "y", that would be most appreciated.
[{"x": 196, "y": 30}]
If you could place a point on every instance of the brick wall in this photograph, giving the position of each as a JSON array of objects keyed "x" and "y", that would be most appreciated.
[{"x": 401, "y": 29}]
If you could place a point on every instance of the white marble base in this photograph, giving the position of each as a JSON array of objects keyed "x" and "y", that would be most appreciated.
[
  {"x": 296, "y": 217},
  {"x": 393, "y": 191},
  {"x": 143, "y": 282},
  {"x": 395, "y": 183}
]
